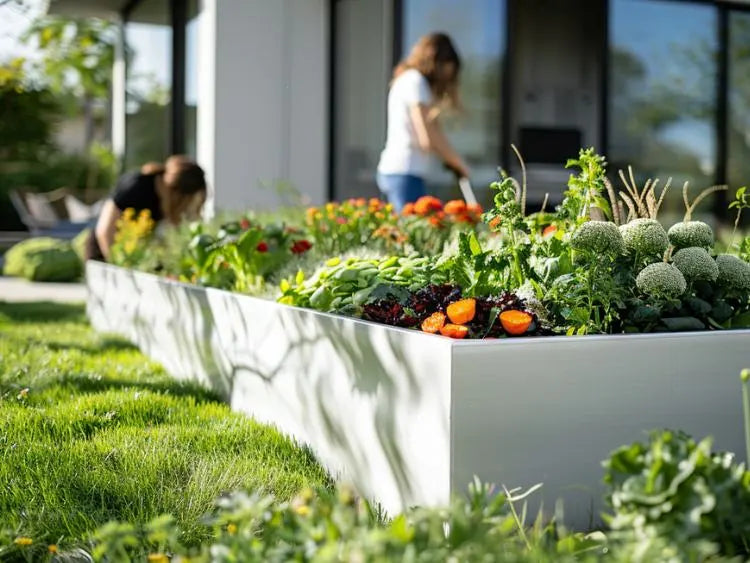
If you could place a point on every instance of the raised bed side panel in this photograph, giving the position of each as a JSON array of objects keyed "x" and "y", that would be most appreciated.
[
  {"x": 530, "y": 411},
  {"x": 373, "y": 402},
  {"x": 169, "y": 322}
]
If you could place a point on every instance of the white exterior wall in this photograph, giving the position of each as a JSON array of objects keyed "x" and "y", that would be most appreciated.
[{"x": 263, "y": 99}]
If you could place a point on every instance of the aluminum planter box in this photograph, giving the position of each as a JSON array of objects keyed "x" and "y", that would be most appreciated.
[{"x": 411, "y": 417}]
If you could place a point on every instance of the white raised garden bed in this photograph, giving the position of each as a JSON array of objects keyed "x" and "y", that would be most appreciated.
[{"x": 411, "y": 417}]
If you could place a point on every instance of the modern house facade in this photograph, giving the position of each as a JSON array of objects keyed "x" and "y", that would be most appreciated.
[{"x": 275, "y": 97}]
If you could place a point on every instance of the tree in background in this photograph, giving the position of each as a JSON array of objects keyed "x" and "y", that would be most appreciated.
[
  {"x": 72, "y": 73},
  {"x": 28, "y": 113},
  {"x": 77, "y": 59}
]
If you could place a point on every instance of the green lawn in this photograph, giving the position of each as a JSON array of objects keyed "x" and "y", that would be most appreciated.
[{"x": 91, "y": 430}]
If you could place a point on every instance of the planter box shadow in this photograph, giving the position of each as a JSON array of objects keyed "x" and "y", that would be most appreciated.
[{"x": 410, "y": 417}]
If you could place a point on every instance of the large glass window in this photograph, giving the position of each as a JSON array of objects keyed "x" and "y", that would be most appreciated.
[
  {"x": 363, "y": 60},
  {"x": 662, "y": 93},
  {"x": 738, "y": 126},
  {"x": 148, "y": 37},
  {"x": 191, "y": 76},
  {"x": 477, "y": 28}
]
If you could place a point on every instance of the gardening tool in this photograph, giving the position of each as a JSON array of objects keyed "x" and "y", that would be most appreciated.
[{"x": 466, "y": 191}]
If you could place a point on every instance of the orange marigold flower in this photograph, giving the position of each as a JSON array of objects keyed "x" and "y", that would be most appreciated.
[
  {"x": 376, "y": 203},
  {"x": 426, "y": 204},
  {"x": 408, "y": 209},
  {"x": 495, "y": 222},
  {"x": 549, "y": 230},
  {"x": 360, "y": 201},
  {"x": 474, "y": 208},
  {"x": 455, "y": 207},
  {"x": 435, "y": 221}
]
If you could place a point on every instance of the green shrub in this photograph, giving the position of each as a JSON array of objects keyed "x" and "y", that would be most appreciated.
[
  {"x": 691, "y": 233},
  {"x": 645, "y": 238},
  {"x": 676, "y": 488},
  {"x": 661, "y": 280},
  {"x": 734, "y": 273},
  {"x": 598, "y": 237},
  {"x": 323, "y": 526},
  {"x": 79, "y": 244},
  {"x": 43, "y": 259},
  {"x": 696, "y": 264}
]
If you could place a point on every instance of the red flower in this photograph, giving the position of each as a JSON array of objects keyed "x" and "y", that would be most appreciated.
[
  {"x": 408, "y": 209},
  {"x": 341, "y": 220},
  {"x": 244, "y": 223},
  {"x": 262, "y": 246},
  {"x": 301, "y": 246}
]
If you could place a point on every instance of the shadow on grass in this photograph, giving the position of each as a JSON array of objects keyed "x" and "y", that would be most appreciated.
[
  {"x": 42, "y": 312},
  {"x": 101, "y": 346},
  {"x": 87, "y": 385}
]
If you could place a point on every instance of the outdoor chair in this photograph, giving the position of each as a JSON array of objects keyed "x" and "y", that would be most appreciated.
[{"x": 38, "y": 212}]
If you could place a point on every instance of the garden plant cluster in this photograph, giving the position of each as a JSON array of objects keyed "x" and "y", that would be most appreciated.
[
  {"x": 108, "y": 459},
  {"x": 600, "y": 263}
]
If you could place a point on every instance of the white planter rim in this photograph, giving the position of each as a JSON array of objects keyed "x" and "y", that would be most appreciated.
[{"x": 531, "y": 340}]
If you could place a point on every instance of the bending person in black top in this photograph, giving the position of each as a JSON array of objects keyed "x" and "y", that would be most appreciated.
[{"x": 169, "y": 191}]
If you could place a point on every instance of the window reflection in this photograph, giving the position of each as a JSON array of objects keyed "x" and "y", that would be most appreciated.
[
  {"x": 477, "y": 29},
  {"x": 738, "y": 127},
  {"x": 363, "y": 66},
  {"x": 191, "y": 76},
  {"x": 662, "y": 93},
  {"x": 148, "y": 35}
]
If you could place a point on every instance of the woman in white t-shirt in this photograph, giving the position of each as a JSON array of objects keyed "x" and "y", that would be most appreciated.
[{"x": 423, "y": 83}]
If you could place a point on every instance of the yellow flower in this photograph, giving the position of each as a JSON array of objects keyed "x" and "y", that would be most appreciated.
[
  {"x": 52, "y": 548},
  {"x": 306, "y": 494},
  {"x": 157, "y": 558},
  {"x": 23, "y": 541},
  {"x": 302, "y": 510},
  {"x": 231, "y": 529}
]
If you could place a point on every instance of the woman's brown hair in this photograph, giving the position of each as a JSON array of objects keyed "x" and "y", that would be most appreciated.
[
  {"x": 185, "y": 184},
  {"x": 431, "y": 56}
]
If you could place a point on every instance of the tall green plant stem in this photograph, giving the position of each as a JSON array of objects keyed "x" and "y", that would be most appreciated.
[
  {"x": 517, "y": 269},
  {"x": 744, "y": 377}
]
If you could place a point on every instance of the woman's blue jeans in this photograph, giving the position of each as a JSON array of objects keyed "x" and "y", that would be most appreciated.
[{"x": 401, "y": 189}]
